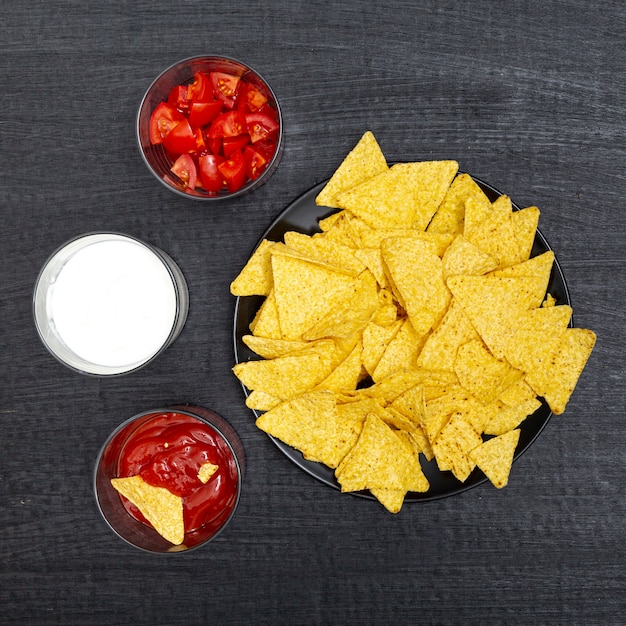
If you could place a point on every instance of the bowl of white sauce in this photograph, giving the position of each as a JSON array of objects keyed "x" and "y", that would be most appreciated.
[{"x": 107, "y": 304}]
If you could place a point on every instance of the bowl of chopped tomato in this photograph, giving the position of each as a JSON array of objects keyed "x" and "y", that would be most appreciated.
[{"x": 210, "y": 128}]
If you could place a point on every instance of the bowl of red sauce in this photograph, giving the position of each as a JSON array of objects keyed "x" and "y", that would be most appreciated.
[
  {"x": 169, "y": 480},
  {"x": 210, "y": 128}
]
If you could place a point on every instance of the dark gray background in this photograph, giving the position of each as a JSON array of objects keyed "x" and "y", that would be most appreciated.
[{"x": 528, "y": 96}]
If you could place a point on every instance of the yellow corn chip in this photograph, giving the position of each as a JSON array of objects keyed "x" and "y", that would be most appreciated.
[
  {"x": 310, "y": 423},
  {"x": 416, "y": 273},
  {"x": 430, "y": 181},
  {"x": 440, "y": 349},
  {"x": 558, "y": 377},
  {"x": 493, "y": 304},
  {"x": 261, "y": 401},
  {"x": 269, "y": 348},
  {"x": 400, "y": 354},
  {"x": 364, "y": 161},
  {"x": 287, "y": 376},
  {"x": 463, "y": 257},
  {"x": 384, "y": 201},
  {"x": 324, "y": 249},
  {"x": 206, "y": 471},
  {"x": 159, "y": 506},
  {"x": 525, "y": 227},
  {"x": 484, "y": 376},
  {"x": 452, "y": 446},
  {"x": 378, "y": 460},
  {"x": 305, "y": 291},
  {"x": 495, "y": 456},
  {"x": 376, "y": 338},
  {"x": 511, "y": 417},
  {"x": 538, "y": 267},
  {"x": 256, "y": 276},
  {"x": 450, "y": 216},
  {"x": 350, "y": 313},
  {"x": 265, "y": 322}
]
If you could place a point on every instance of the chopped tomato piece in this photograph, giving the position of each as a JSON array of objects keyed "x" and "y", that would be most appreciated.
[
  {"x": 234, "y": 171},
  {"x": 162, "y": 120},
  {"x": 185, "y": 168},
  {"x": 261, "y": 126},
  {"x": 178, "y": 98},
  {"x": 181, "y": 138},
  {"x": 256, "y": 161},
  {"x": 230, "y": 144},
  {"x": 200, "y": 90},
  {"x": 210, "y": 175},
  {"x": 250, "y": 98},
  {"x": 201, "y": 146},
  {"x": 214, "y": 144},
  {"x": 202, "y": 113},
  {"x": 228, "y": 124},
  {"x": 225, "y": 87}
]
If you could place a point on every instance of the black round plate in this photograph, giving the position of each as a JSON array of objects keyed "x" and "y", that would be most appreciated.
[{"x": 302, "y": 215}]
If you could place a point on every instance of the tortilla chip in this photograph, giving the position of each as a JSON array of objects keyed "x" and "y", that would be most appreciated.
[
  {"x": 269, "y": 348},
  {"x": 287, "y": 376},
  {"x": 525, "y": 224},
  {"x": 255, "y": 279},
  {"x": 400, "y": 353},
  {"x": 452, "y": 446},
  {"x": 305, "y": 291},
  {"x": 482, "y": 374},
  {"x": 265, "y": 322},
  {"x": 309, "y": 423},
  {"x": 349, "y": 314},
  {"x": 378, "y": 460},
  {"x": 441, "y": 346},
  {"x": 384, "y": 201},
  {"x": 364, "y": 161},
  {"x": 511, "y": 417},
  {"x": 321, "y": 248},
  {"x": 558, "y": 378},
  {"x": 430, "y": 181},
  {"x": 261, "y": 401},
  {"x": 450, "y": 216},
  {"x": 493, "y": 304},
  {"x": 206, "y": 471},
  {"x": 376, "y": 338},
  {"x": 494, "y": 457},
  {"x": 463, "y": 257},
  {"x": 159, "y": 506},
  {"x": 416, "y": 273}
]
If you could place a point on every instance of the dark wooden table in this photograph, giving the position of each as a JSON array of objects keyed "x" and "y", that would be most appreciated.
[{"x": 528, "y": 96}]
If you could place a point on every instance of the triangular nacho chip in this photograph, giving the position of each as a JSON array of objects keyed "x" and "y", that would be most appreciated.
[
  {"x": 255, "y": 279},
  {"x": 495, "y": 456},
  {"x": 160, "y": 507},
  {"x": 364, "y": 161}
]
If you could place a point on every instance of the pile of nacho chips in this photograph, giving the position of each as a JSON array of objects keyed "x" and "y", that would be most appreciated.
[{"x": 414, "y": 323}]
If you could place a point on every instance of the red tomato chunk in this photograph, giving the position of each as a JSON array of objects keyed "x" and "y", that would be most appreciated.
[{"x": 219, "y": 131}]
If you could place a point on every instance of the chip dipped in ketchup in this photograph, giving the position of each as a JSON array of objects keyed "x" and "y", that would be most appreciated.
[{"x": 191, "y": 452}]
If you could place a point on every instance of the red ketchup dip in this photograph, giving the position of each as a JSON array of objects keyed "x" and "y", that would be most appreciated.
[{"x": 167, "y": 448}]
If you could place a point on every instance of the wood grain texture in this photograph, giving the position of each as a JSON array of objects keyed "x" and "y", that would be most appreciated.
[{"x": 528, "y": 96}]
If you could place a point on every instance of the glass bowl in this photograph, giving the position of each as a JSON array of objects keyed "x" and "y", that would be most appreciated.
[
  {"x": 156, "y": 157},
  {"x": 108, "y": 304},
  {"x": 207, "y": 511}
]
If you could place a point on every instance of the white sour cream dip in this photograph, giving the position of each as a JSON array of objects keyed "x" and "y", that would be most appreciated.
[{"x": 113, "y": 303}]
